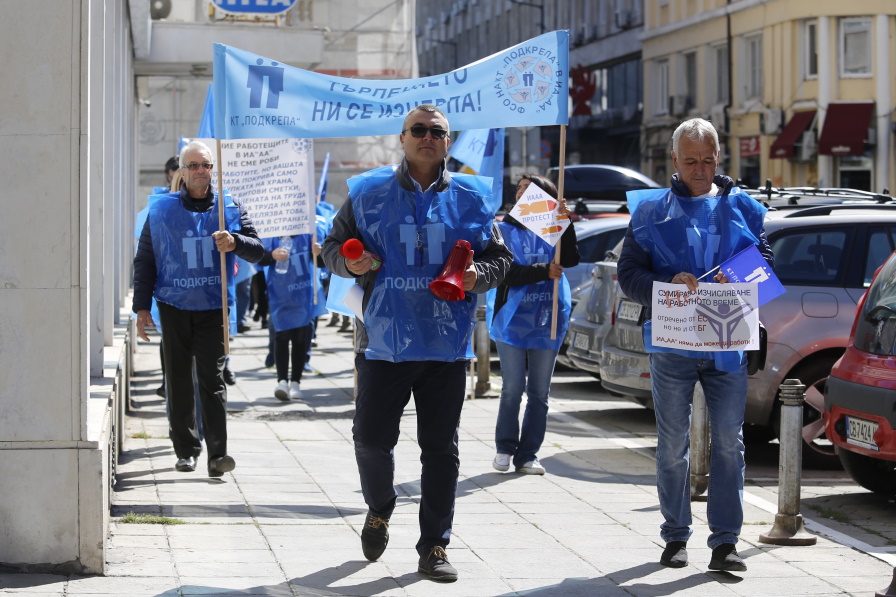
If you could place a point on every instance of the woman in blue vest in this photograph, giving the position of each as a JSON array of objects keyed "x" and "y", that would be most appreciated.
[
  {"x": 521, "y": 328},
  {"x": 290, "y": 286}
]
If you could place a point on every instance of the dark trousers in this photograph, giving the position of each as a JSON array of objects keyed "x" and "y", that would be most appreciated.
[
  {"x": 384, "y": 389},
  {"x": 199, "y": 335},
  {"x": 300, "y": 339}
]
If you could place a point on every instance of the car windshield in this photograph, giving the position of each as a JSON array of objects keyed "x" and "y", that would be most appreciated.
[{"x": 876, "y": 327}]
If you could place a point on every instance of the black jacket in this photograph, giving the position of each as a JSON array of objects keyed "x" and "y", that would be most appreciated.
[
  {"x": 248, "y": 246},
  {"x": 520, "y": 275}
]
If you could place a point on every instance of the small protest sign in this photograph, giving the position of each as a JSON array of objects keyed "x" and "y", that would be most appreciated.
[{"x": 539, "y": 212}]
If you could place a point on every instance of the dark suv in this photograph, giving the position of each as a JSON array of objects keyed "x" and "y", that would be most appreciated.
[
  {"x": 593, "y": 189},
  {"x": 825, "y": 256}
]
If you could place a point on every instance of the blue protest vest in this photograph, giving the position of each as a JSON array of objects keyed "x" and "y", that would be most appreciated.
[
  {"x": 414, "y": 233},
  {"x": 694, "y": 235},
  {"x": 188, "y": 263},
  {"x": 525, "y": 319},
  {"x": 291, "y": 294}
]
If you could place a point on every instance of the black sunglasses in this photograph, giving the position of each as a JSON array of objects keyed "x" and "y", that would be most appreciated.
[
  {"x": 418, "y": 131},
  {"x": 204, "y": 165}
]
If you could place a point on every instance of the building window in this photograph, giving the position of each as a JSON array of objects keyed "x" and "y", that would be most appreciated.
[
  {"x": 810, "y": 50},
  {"x": 855, "y": 47},
  {"x": 662, "y": 87},
  {"x": 855, "y": 171},
  {"x": 753, "y": 78},
  {"x": 690, "y": 79},
  {"x": 721, "y": 75}
]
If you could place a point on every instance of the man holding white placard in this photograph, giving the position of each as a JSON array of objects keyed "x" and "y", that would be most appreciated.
[{"x": 676, "y": 237}]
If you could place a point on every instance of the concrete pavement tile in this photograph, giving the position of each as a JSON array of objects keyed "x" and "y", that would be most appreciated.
[
  {"x": 861, "y": 582},
  {"x": 123, "y": 585},
  {"x": 200, "y": 542},
  {"x": 272, "y": 587},
  {"x": 695, "y": 585},
  {"x": 29, "y": 593},
  {"x": 352, "y": 587},
  {"x": 418, "y": 585},
  {"x": 535, "y": 563},
  {"x": 212, "y": 568},
  {"x": 790, "y": 586},
  {"x": 159, "y": 542},
  {"x": 186, "y": 556},
  {"x": 852, "y": 564},
  {"x": 342, "y": 565},
  {"x": 27, "y": 583},
  {"x": 143, "y": 567},
  {"x": 566, "y": 587},
  {"x": 127, "y": 528}
]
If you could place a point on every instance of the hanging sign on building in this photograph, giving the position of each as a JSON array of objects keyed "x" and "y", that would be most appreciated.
[
  {"x": 266, "y": 7},
  {"x": 749, "y": 147}
]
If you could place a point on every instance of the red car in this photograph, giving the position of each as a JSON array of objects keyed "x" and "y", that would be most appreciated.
[{"x": 860, "y": 394}]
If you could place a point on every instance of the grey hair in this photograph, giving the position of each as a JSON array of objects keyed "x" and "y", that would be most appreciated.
[
  {"x": 423, "y": 108},
  {"x": 695, "y": 129},
  {"x": 195, "y": 145}
]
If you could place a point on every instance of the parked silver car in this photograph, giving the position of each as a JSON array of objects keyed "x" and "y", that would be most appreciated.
[
  {"x": 825, "y": 256},
  {"x": 591, "y": 320}
]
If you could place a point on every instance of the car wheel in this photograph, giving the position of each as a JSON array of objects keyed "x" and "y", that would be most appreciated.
[
  {"x": 818, "y": 450},
  {"x": 873, "y": 474}
]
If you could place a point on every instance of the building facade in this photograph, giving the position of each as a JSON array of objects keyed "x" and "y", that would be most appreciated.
[
  {"x": 605, "y": 64},
  {"x": 800, "y": 91}
]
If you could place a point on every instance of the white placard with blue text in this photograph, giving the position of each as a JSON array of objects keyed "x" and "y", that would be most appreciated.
[
  {"x": 539, "y": 212},
  {"x": 274, "y": 179},
  {"x": 714, "y": 317}
]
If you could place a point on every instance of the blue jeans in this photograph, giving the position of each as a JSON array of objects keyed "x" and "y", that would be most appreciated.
[
  {"x": 509, "y": 439},
  {"x": 243, "y": 296},
  {"x": 673, "y": 379}
]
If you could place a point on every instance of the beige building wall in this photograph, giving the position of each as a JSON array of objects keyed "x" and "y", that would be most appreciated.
[{"x": 676, "y": 28}]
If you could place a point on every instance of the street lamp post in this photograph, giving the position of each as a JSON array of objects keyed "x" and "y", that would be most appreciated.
[{"x": 540, "y": 8}]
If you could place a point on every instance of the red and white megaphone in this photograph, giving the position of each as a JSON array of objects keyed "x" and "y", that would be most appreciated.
[
  {"x": 354, "y": 249},
  {"x": 450, "y": 283}
]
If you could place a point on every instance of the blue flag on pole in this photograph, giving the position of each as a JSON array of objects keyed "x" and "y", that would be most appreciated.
[
  {"x": 322, "y": 186},
  {"x": 256, "y": 97},
  {"x": 482, "y": 150},
  {"x": 750, "y": 266},
  {"x": 207, "y": 121}
]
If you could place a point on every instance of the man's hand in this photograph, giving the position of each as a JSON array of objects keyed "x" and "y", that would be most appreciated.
[
  {"x": 359, "y": 266},
  {"x": 686, "y": 278},
  {"x": 224, "y": 241},
  {"x": 315, "y": 248},
  {"x": 280, "y": 254},
  {"x": 470, "y": 275},
  {"x": 555, "y": 270},
  {"x": 721, "y": 278},
  {"x": 144, "y": 319}
]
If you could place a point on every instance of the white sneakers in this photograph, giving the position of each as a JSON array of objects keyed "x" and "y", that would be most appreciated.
[
  {"x": 282, "y": 391},
  {"x": 287, "y": 391},
  {"x": 533, "y": 467},
  {"x": 501, "y": 462}
]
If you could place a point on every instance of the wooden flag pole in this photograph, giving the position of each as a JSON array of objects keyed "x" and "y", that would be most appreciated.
[
  {"x": 560, "y": 177},
  {"x": 314, "y": 280},
  {"x": 221, "y": 225}
]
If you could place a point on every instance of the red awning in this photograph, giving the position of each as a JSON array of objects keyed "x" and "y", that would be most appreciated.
[
  {"x": 845, "y": 129},
  {"x": 783, "y": 145}
]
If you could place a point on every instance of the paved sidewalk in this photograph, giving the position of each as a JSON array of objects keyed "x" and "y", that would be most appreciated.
[{"x": 287, "y": 520}]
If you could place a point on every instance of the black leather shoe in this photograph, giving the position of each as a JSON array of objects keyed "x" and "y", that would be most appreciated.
[
  {"x": 160, "y": 391},
  {"x": 726, "y": 559},
  {"x": 218, "y": 466},
  {"x": 186, "y": 465},
  {"x": 374, "y": 536},
  {"x": 229, "y": 377},
  {"x": 242, "y": 328},
  {"x": 675, "y": 555},
  {"x": 435, "y": 565}
]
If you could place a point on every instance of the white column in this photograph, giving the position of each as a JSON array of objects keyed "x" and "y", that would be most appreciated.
[
  {"x": 826, "y": 46},
  {"x": 884, "y": 101}
]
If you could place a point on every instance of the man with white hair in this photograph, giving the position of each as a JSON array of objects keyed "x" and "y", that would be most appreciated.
[
  {"x": 678, "y": 236},
  {"x": 178, "y": 261}
]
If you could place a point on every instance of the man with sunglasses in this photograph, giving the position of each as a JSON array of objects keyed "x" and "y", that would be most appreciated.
[
  {"x": 178, "y": 261},
  {"x": 410, "y": 216}
]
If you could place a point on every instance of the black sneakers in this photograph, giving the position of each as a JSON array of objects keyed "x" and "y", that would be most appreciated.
[
  {"x": 435, "y": 565},
  {"x": 725, "y": 558},
  {"x": 675, "y": 555},
  {"x": 374, "y": 536}
]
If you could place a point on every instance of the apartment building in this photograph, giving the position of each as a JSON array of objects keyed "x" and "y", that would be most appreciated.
[{"x": 800, "y": 91}]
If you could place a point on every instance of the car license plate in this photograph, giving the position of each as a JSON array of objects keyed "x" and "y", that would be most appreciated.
[
  {"x": 581, "y": 341},
  {"x": 629, "y": 311},
  {"x": 860, "y": 432}
]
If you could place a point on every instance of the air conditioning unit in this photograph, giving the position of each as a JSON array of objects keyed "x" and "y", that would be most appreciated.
[
  {"x": 772, "y": 121},
  {"x": 624, "y": 19},
  {"x": 159, "y": 9},
  {"x": 678, "y": 105},
  {"x": 807, "y": 150},
  {"x": 717, "y": 117}
]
